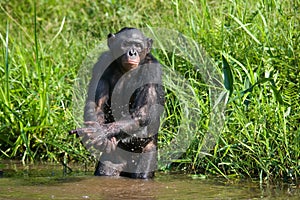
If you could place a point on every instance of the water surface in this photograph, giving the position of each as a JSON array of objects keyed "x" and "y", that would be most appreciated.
[{"x": 47, "y": 181}]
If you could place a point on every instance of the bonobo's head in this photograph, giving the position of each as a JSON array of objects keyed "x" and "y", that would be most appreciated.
[{"x": 129, "y": 46}]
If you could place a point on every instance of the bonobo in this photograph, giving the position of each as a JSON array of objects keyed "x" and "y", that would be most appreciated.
[{"x": 123, "y": 107}]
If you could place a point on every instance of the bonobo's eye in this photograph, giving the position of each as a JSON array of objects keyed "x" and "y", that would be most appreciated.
[
  {"x": 139, "y": 47},
  {"x": 126, "y": 44},
  {"x": 133, "y": 44}
]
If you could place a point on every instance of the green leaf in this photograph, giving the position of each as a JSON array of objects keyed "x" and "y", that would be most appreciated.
[{"x": 228, "y": 78}]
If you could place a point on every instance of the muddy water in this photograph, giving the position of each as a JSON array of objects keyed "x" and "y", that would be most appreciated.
[{"x": 48, "y": 181}]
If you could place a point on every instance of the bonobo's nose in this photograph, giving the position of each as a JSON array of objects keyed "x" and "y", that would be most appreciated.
[{"x": 132, "y": 53}]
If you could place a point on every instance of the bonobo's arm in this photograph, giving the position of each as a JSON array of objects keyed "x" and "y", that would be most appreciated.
[
  {"x": 93, "y": 111},
  {"x": 152, "y": 108},
  {"x": 145, "y": 112},
  {"x": 104, "y": 136},
  {"x": 96, "y": 132},
  {"x": 148, "y": 106}
]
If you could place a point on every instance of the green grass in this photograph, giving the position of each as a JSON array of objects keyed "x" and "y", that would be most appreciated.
[{"x": 43, "y": 46}]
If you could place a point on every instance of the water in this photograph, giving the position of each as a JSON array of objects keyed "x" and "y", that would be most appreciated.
[{"x": 46, "y": 181}]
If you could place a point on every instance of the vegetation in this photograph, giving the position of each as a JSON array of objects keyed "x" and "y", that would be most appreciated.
[{"x": 255, "y": 42}]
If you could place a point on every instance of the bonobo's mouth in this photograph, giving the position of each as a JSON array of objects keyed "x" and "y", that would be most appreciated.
[
  {"x": 130, "y": 65},
  {"x": 131, "y": 62}
]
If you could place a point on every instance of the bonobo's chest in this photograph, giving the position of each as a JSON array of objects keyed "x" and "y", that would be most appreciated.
[{"x": 118, "y": 88}]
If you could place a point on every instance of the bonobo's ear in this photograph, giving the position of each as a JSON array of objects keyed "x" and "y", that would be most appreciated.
[
  {"x": 149, "y": 44},
  {"x": 110, "y": 39}
]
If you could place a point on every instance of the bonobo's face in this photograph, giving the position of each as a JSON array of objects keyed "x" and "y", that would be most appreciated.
[{"x": 130, "y": 47}]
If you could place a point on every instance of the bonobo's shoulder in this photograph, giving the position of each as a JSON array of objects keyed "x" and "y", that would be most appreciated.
[
  {"x": 106, "y": 56},
  {"x": 104, "y": 60},
  {"x": 150, "y": 59}
]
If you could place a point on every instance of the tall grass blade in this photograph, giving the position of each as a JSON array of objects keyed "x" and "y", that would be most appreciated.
[
  {"x": 7, "y": 94},
  {"x": 228, "y": 77},
  {"x": 243, "y": 26}
]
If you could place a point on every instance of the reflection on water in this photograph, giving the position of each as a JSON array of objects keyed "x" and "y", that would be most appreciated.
[{"x": 48, "y": 182}]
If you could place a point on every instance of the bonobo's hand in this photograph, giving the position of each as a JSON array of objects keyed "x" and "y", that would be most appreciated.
[
  {"x": 98, "y": 136},
  {"x": 100, "y": 143}
]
